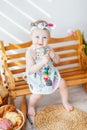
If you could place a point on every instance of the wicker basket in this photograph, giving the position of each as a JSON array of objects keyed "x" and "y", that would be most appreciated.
[
  {"x": 18, "y": 111},
  {"x": 57, "y": 118}
]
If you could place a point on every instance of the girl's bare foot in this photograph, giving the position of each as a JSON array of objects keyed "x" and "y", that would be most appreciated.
[
  {"x": 68, "y": 106},
  {"x": 31, "y": 111}
]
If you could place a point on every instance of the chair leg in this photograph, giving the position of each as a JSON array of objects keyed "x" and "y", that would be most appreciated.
[
  {"x": 85, "y": 87},
  {"x": 24, "y": 110}
]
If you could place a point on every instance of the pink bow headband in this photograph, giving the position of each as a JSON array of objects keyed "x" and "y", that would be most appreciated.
[{"x": 43, "y": 25}]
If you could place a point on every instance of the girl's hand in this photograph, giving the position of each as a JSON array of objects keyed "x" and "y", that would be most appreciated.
[
  {"x": 54, "y": 57},
  {"x": 45, "y": 58},
  {"x": 51, "y": 54}
]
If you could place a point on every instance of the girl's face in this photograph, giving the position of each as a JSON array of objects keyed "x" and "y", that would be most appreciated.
[{"x": 40, "y": 37}]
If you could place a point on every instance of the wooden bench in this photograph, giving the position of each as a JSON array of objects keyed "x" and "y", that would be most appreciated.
[{"x": 73, "y": 64}]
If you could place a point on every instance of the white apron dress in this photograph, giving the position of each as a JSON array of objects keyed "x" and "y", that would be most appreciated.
[{"x": 38, "y": 84}]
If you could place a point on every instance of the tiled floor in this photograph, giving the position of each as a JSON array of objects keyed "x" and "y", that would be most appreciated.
[{"x": 77, "y": 96}]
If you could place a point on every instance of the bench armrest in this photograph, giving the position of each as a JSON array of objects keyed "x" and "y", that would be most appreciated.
[
  {"x": 8, "y": 77},
  {"x": 83, "y": 58}
]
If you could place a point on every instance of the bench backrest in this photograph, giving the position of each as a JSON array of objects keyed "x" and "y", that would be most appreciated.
[{"x": 68, "y": 48}]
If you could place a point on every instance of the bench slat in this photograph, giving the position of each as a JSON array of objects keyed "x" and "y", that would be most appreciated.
[
  {"x": 64, "y": 39},
  {"x": 64, "y": 48},
  {"x": 23, "y": 92},
  {"x": 68, "y": 54},
  {"x": 21, "y": 87},
  {"x": 76, "y": 82},
  {"x": 74, "y": 76},
  {"x": 68, "y": 62},
  {"x": 13, "y": 56},
  {"x": 70, "y": 69},
  {"x": 80, "y": 72},
  {"x": 21, "y": 83},
  {"x": 17, "y": 63},
  {"x": 13, "y": 46}
]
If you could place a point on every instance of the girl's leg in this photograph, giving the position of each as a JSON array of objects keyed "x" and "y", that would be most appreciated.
[
  {"x": 63, "y": 89},
  {"x": 32, "y": 102}
]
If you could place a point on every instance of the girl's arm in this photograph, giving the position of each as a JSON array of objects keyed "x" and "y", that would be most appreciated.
[
  {"x": 30, "y": 62},
  {"x": 55, "y": 57}
]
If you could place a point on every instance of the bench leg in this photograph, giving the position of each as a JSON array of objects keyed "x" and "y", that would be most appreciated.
[
  {"x": 24, "y": 110},
  {"x": 85, "y": 87},
  {"x": 11, "y": 101}
]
